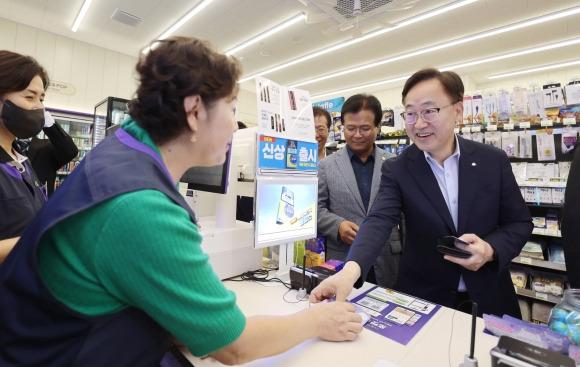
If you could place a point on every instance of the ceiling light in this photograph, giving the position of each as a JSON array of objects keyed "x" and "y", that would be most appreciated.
[
  {"x": 533, "y": 70},
  {"x": 478, "y": 36},
  {"x": 268, "y": 33},
  {"x": 365, "y": 37},
  {"x": 81, "y": 15},
  {"x": 471, "y": 63},
  {"x": 397, "y": 79},
  {"x": 551, "y": 46},
  {"x": 199, "y": 7}
]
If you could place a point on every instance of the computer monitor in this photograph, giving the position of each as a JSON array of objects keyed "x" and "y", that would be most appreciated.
[
  {"x": 210, "y": 179},
  {"x": 286, "y": 209}
]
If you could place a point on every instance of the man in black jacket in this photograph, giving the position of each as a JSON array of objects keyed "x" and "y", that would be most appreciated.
[{"x": 571, "y": 222}]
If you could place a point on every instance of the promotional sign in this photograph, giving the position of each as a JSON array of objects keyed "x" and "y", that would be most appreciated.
[
  {"x": 287, "y": 154},
  {"x": 283, "y": 111}
]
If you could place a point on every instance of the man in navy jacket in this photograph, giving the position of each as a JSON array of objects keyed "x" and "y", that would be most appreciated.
[{"x": 444, "y": 185}]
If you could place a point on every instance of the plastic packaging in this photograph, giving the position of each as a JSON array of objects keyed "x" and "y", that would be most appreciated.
[{"x": 565, "y": 316}]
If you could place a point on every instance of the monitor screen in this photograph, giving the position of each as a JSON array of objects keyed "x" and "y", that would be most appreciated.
[
  {"x": 286, "y": 209},
  {"x": 210, "y": 179}
]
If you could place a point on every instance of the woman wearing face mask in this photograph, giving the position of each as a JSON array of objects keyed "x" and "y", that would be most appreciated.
[{"x": 23, "y": 82}]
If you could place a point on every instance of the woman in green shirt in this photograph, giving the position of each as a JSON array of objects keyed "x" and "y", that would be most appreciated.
[{"x": 126, "y": 248}]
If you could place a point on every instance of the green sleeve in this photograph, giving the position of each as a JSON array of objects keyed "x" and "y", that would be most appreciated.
[{"x": 141, "y": 249}]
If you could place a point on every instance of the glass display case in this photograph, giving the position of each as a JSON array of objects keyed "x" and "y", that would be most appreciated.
[
  {"x": 111, "y": 111},
  {"x": 78, "y": 126}
]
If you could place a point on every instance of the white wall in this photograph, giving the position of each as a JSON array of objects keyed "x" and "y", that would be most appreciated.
[{"x": 95, "y": 73}]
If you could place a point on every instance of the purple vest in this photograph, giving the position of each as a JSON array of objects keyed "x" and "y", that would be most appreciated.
[{"x": 38, "y": 330}]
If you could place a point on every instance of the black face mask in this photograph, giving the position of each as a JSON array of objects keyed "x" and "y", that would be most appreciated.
[{"x": 20, "y": 122}]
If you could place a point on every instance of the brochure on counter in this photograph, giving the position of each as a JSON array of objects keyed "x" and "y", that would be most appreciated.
[{"x": 395, "y": 315}]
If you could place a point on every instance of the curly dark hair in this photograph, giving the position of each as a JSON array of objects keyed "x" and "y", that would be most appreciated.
[
  {"x": 17, "y": 71},
  {"x": 172, "y": 70}
]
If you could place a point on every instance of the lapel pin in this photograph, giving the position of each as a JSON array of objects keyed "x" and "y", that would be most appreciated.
[
  {"x": 384, "y": 159},
  {"x": 473, "y": 164}
]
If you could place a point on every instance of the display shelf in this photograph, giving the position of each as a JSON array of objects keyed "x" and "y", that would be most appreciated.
[
  {"x": 538, "y": 296},
  {"x": 524, "y": 260}
]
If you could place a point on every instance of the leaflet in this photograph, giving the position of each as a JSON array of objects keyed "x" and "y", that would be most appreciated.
[{"x": 395, "y": 315}]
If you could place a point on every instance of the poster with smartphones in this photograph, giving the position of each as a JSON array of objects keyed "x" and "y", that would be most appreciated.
[
  {"x": 333, "y": 106},
  {"x": 285, "y": 209},
  {"x": 284, "y": 111}
]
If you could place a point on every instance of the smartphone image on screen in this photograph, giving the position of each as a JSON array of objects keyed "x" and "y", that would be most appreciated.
[{"x": 286, "y": 206}]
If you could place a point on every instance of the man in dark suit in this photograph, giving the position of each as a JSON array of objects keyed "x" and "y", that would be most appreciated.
[
  {"x": 571, "y": 222},
  {"x": 444, "y": 185},
  {"x": 48, "y": 155}
]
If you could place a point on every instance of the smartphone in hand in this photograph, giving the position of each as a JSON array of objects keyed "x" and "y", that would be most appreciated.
[{"x": 446, "y": 245}]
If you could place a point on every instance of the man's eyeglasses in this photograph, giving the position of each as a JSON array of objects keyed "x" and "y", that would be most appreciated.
[
  {"x": 364, "y": 130},
  {"x": 428, "y": 114},
  {"x": 321, "y": 130}
]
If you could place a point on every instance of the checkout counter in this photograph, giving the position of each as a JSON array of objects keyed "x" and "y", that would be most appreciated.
[{"x": 442, "y": 342}]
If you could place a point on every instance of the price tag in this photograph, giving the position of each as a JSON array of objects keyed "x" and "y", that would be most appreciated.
[
  {"x": 475, "y": 129},
  {"x": 456, "y": 130},
  {"x": 526, "y": 260},
  {"x": 569, "y": 121},
  {"x": 525, "y": 124},
  {"x": 491, "y": 127},
  {"x": 402, "y": 141},
  {"x": 542, "y": 296},
  {"x": 466, "y": 129},
  {"x": 509, "y": 126},
  {"x": 546, "y": 122}
]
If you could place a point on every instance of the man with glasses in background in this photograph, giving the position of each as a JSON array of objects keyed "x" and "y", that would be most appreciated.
[
  {"x": 445, "y": 185},
  {"x": 348, "y": 184},
  {"x": 322, "y": 122}
]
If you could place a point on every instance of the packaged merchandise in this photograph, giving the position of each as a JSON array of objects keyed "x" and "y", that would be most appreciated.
[
  {"x": 490, "y": 107},
  {"x": 519, "y": 170},
  {"x": 547, "y": 283},
  {"x": 569, "y": 140},
  {"x": 493, "y": 138},
  {"x": 534, "y": 249},
  {"x": 565, "y": 316},
  {"x": 477, "y": 136},
  {"x": 536, "y": 106},
  {"x": 541, "y": 313},
  {"x": 519, "y": 277},
  {"x": 545, "y": 145},
  {"x": 315, "y": 251},
  {"x": 539, "y": 335},
  {"x": 467, "y": 110},
  {"x": 477, "y": 107},
  {"x": 509, "y": 143},
  {"x": 504, "y": 107},
  {"x": 520, "y": 103},
  {"x": 525, "y": 140},
  {"x": 556, "y": 252}
]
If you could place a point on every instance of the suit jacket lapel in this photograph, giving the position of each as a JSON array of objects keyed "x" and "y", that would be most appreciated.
[
  {"x": 469, "y": 169},
  {"x": 425, "y": 179},
  {"x": 344, "y": 167}
]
